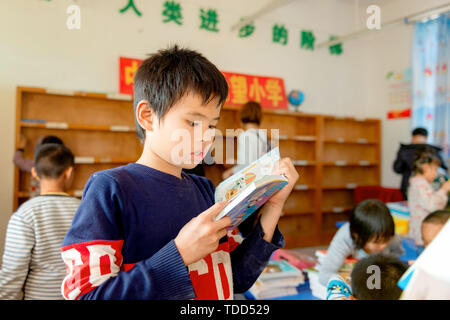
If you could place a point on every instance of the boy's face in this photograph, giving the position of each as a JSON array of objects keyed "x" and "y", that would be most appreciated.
[
  {"x": 418, "y": 139},
  {"x": 186, "y": 132},
  {"x": 430, "y": 231}
]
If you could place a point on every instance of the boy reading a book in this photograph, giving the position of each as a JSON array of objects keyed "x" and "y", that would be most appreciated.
[{"x": 147, "y": 230}]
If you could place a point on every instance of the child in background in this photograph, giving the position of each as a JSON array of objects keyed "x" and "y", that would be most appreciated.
[
  {"x": 373, "y": 278},
  {"x": 422, "y": 199},
  {"x": 432, "y": 224},
  {"x": 146, "y": 230},
  {"x": 365, "y": 282},
  {"x": 370, "y": 230},
  {"x": 26, "y": 164},
  {"x": 32, "y": 264},
  {"x": 253, "y": 142}
]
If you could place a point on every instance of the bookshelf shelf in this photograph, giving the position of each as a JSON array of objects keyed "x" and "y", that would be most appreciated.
[
  {"x": 105, "y": 160},
  {"x": 344, "y": 163},
  {"x": 350, "y": 141},
  {"x": 73, "y": 126}
]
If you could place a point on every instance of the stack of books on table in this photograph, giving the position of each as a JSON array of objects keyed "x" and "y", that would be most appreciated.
[
  {"x": 278, "y": 279},
  {"x": 319, "y": 290},
  {"x": 298, "y": 259}
]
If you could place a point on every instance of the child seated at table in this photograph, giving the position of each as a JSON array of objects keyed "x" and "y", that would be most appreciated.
[
  {"x": 373, "y": 278},
  {"x": 422, "y": 199},
  {"x": 432, "y": 225},
  {"x": 370, "y": 230}
]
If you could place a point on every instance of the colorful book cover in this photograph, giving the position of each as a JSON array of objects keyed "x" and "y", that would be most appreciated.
[
  {"x": 278, "y": 269},
  {"x": 299, "y": 260},
  {"x": 247, "y": 190}
]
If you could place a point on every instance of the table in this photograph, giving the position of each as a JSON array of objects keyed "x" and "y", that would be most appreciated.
[{"x": 304, "y": 291}]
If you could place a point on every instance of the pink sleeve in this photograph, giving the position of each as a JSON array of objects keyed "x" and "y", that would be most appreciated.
[
  {"x": 432, "y": 200},
  {"x": 24, "y": 164}
]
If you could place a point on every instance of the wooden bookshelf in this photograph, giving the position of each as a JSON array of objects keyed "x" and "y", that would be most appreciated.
[
  {"x": 332, "y": 155},
  {"x": 98, "y": 128}
]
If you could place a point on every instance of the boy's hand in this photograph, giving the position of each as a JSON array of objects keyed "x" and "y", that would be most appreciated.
[
  {"x": 286, "y": 167},
  {"x": 227, "y": 173},
  {"x": 200, "y": 236},
  {"x": 271, "y": 211}
]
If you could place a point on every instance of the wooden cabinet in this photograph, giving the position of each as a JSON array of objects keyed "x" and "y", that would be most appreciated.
[
  {"x": 332, "y": 155},
  {"x": 98, "y": 128}
]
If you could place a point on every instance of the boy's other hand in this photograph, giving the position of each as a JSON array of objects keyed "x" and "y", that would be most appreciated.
[
  {"x": 200, "y": 236},
  {"x": 287, "y": 168},
  {"x": 227, "y": 173}
]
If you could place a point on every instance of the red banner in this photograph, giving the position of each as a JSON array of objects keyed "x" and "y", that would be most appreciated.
[
  {"x": 127, "y": 70},
  {"x": 396, "y": 114},
  {"x": 268, "y": 91}
]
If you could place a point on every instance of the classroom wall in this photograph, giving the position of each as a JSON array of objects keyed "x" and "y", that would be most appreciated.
[{"x": 36, "y": 49}]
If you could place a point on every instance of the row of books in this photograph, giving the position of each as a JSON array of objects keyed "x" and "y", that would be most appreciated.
[{"x": 279, "y": 278}]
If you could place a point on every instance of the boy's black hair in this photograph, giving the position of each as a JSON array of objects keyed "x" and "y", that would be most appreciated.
[
  {"x": 371, "y": 220},
  {"x": 437, "y": 217},
  {"x": 424, "y": 155},
  {"x": 420, "y": 132},
  {"x": 164, "y": 77},
  {"x": 52, "y": 159},
  {"x": 51, "y": 139},
  {"x": 388, "y": 268}
]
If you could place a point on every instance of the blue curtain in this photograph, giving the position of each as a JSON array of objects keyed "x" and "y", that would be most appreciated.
[{"x": 431, "y": 80}]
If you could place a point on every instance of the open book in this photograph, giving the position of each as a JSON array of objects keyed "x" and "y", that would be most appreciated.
[{"x": 248, "y": 189}]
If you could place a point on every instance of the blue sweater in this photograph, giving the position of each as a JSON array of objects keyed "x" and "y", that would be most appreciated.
[{"x": 121, "y": 242}]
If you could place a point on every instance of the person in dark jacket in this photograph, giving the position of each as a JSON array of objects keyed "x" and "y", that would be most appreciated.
[{"x": 405, "y": 156}]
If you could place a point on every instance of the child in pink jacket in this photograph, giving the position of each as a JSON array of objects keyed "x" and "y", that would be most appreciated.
[{"x": 422, "y": 198}]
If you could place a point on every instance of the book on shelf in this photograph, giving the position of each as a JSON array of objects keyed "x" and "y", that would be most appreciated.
[{"x": 248, "y": 189}]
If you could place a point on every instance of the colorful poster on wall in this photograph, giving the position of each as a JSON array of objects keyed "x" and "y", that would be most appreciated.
[
  {"x": 399, "y": 94},
  {"x": 127, "y": 70},
  {"x": 268, "y": 91}
]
